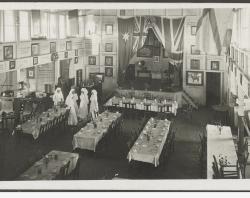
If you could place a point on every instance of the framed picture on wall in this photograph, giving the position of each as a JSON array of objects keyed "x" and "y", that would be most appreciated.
[
  {"x": 92, "y": 60},
  {"x": 108, "y": 47},
  {"x": 12, "y": 65},
  {"x": 108, "y": 60},
  {"x": 194, "y": 78},
  {"x": 108, "y": 71},
  {"x": 8, "y": 52},
  {"x": 68, "y": 45},
  {"x": 31, "y": 73},
  {"x": 193, "y": 30},
  {"x": 66, "y": 54},
  {"x": 76, "y": 52},
  {"x": 76, "y": 60},
  {"x": 145, "y": 51},
  {"x": 215, "y": 65},
  {"x": 194, "y": 64},
  {"x": 35, "y": 60},
  {"x": 156, "y": 59},
  {"x": 194, "y": 50},
  {"x": 35, "y": 49},
  {"x": 52, "y": 47},
  {"x": 109, "y": 29}
]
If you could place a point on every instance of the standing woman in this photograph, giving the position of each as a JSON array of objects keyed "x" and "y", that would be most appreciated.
[
  {"x": 83, "y": 109},
  {"x": 72, "y": 120},
  {"x": 58, "y": 97},
  {"x": 94, "y": 109},
  {"x": 75, "y": 102}
]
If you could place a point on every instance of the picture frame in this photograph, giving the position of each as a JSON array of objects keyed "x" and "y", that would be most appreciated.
[
  {"x": 194, "y": 50},
  {"x": 109, "y": 29},
  {"x": 215, "y": 65},
  {"x": 52, "y": 47},
  {"x": 146, "y": 51},
  {"x": 8, "y": 52},
  {"x": 195, "y": 64},
  {"x": 92, "y": 60},
  {"x": 194, "y": 78},
  {"x": 156, "y": 59},
  {"x": 35, "y": 60},
  {"x": 31, "y": 73},
  {"x": 76, "y": 52},
  {"x": 66, "y": 54},
  {"x": 108, "y": 47},
  {"x": 108, "y": 60},
  {"x": 109, "y": 71},
  {"x": 12, "y": 65},
  {"x": 76, "y": 60},
  {"x": 68, "y": 45},
  {"x": 35, "y": 49},
  {"x": 193, "y": 30}
]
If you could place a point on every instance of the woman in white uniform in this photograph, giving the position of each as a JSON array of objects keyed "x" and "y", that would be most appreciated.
[
  {"x": 72, "y": 120},
  {"x": 58, "y": 96},
  {"x": 75, "y": 102},
  {"x": 83, "y": 109},
  {"x": 94, "y": 109}
]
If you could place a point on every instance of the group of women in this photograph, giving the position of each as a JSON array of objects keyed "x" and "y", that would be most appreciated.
[{"x": 81, "y": 111}]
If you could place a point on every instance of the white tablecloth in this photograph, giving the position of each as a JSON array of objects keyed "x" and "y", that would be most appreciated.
[
  {"x": 52, "y": 170},
  {"x": 149, "y": 151},
  {"x": 219, "y": 145},
  {"x": 88, "y": 137}
]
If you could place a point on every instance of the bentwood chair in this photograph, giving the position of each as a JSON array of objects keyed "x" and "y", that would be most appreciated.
[{"x": 230, "y": 171}]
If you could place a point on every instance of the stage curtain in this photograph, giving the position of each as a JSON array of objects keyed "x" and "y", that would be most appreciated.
[{"x": 125, "y": 48}]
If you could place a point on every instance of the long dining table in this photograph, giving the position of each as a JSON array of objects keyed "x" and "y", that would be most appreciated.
[
  {"x": 48, "y": 168},
  {"x": 221, "y": 145},
  {"x": 166, "y": 106},
  {"x": 32, "y": 127},
  {"x": 89, "y": 136},
  {"x": 149, "y": 145}
]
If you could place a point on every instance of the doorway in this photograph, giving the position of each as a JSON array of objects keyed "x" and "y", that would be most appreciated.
[
  {"x": 64, "y": 69},
  {"x": 213, "y": 87}
]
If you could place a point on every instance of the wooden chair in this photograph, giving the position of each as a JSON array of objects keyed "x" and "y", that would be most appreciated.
[
  {"x": 64, "y": 171},
  {"x": 230, "y": 171},
  {"x": 216, "y": 170}
]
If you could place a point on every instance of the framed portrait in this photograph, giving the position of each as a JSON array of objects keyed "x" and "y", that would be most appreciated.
[
  {"x": 31, "y": 73},
  {"x": 108, "y": 47},
  {"x": 193, "y": 30},
  {"x": 76, "y": 60},
  {"x": 35, "y": 60},
  {"x": 35, "y": 49},
  {"x": 145, "y": 51},
  {"x": 194, "y": 50},
  {"x": 52, "y": 47},
  {"x": 8, "y": 52},
  {"x": 68, "y": 45},
  {"x": 108, "y": 71},
  {"x": 92, "y": 60},
  {"x": 194, "y": 64},
  {"x": 156, "y": 59},
  {"x": 76, "y": 52},
  {"x": 12, "y": 65},
  {"x": 66, "y": 54},
  {"x": 109, "y": 29},
  {"x": 194, "y": 78},
  {"x": 108, "y": 60},
  {"x": 215, "y": 65}
]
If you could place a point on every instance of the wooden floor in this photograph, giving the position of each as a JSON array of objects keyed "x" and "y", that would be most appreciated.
[{"x": 111, "y": 161}]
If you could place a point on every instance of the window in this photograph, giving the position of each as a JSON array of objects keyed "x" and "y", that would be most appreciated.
[
  {"x": 35, "y": 23},
  {"x": 44, "y": 24},
  {"x": 9, "y": 26},
  {"x": 24, "y": 31},
  {"x": 62, "y": 26},
  {"x": 1, "y": 26},
  {"x": 52, "y": 26}
]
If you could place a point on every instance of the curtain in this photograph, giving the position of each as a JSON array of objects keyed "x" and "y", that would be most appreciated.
[{"x": 125, "y": 48}]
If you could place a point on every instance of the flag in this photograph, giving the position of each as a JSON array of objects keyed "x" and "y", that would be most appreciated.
[
  {"x": 125, "y": 45},
  {"x": 213, "y": 30},
  {"x": 173, "y": 30}
]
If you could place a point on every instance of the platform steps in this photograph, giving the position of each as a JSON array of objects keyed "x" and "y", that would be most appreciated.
[{"x": 189, "y": 100}]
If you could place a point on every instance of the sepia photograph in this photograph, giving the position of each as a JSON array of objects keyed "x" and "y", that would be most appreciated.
[{"x": 126, "y": 97}]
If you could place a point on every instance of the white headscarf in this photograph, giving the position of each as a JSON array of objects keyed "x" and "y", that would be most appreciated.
[
  {"x": 58, "y": 96},
  {"x": 70, "y": 97}
]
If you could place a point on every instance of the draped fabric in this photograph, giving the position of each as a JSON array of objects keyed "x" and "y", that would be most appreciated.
[
  {"x": 125, "y": 50},
  {"x": 213, "y": 30}
]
